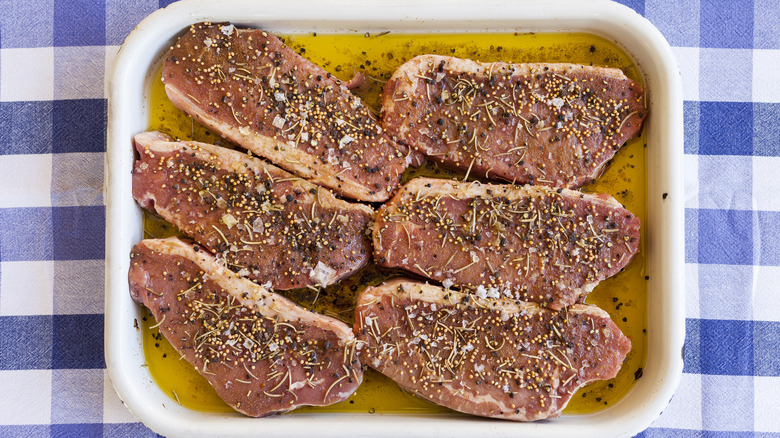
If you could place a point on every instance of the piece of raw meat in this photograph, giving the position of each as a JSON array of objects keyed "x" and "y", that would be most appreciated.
[
  {"x": 262, "y": 353},
  {"x": 548, "y": 124},
  {"x": 262, "y": 222},
  {"x": 252, "y": 89},
  {"x": 491, "y": 357},
  {"x": 532, "y": 243}
]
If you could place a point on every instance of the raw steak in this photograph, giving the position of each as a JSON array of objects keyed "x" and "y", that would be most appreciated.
[
  {"x": 532, "y": 243},
  {"x": 262, "y": 353},
  {"x": 262, "y": 222},
  {"x": 548, "y": 124},
  {"x": 249, "y": 87},
  {"x": 495, "y": 358}
]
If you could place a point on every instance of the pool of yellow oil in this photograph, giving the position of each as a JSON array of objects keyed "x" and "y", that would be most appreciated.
[{"x": 377, "y": 56}]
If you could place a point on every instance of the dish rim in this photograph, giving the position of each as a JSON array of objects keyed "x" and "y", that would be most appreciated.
[{"x": 128, "y": 89}]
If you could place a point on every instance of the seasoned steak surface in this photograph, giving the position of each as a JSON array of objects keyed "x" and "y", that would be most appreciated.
[
  {"x": 549, "y": 124},
  {"x": 261, "y": 353},
  {"x": 249, "y": 87},
  {"x": 533, "y": 243},
  {"x": 262, "y": 222},
  {"x": 495, "y": 358}
]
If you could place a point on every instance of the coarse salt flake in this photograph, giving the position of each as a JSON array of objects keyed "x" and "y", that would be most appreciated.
[
  {"x": 347, "y": 139},
  {"x": 323, "y": 274},
  {"x": 227, "y": 30},
  {"x": 229, "y": 220}
]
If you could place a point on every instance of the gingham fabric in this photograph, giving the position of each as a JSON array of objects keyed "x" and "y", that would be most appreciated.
[{"x": 55, "y": 55}]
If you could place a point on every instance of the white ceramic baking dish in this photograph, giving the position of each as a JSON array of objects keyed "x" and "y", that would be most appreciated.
[{"x": 128, "y": 115}]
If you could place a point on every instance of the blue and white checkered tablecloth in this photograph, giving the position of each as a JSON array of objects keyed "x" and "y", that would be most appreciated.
[{"x": 54, "y": 57}]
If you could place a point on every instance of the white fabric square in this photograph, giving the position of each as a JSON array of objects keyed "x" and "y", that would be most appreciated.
[
  {"x": 684, "y": 410},
  {"x": 26, "y": 74},
  {"x": 728, "y": 184},
  {"x": 26, "y": 288},
  {"x": 766, "y": 64},
  {"x": 691, "y": 178},
  {"x": 688, "y": 63},
  {"x": 766, "y": 299},
  {"x": 79, "y": 72},
  {"x": 766, "y": 183},
  {"x": 725, "y": 291},
  {"x": 727, "y": 402},
  {"x": 723, "y": 75},
  {"x": 767, "y": 400},
  {"x": 692, "y": 290},
  {"x": 25, "y": 180},
  {"x": 114, "y": 411},
  {"x": 26, "y": 397}
]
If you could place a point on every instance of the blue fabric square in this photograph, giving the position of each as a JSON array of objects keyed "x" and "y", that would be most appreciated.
[
  {"x": 76, "y": 430},
  {"x": 766, "y": 28},
  {"x": 27, "y": 24},
  {"x": 766, "y": 337},
  {"x": 726, "y": 128},
  {"x": 727, "y": 24},
  {"x": 79, "y": 72},
  {"x": 75, "y": 283},
  {"x": 726, "y": 347},
  {"x": 70, "y": 185},
  {"x": 123, "y": 15},
  {"x": 79, "y": 125},
  {"x": 691, "y": 126},
  {"x": 766, "y": 129},
  {"x": 25, "y": 127},
  {"x": 79, "y": 23},
  {"x": 26, "y": 342},
  {"x": 725, "y": 236},
  {"x": 732, "y": 302},
  {"x": 24, "y": 431},
  {"x": 692, "y": 350},
  {"x": 78, "y": 342},
  {"x": 637, "y": 5},
  {"x": 660, "y": 432},
  {"x": 768, "y": 251},
  {"x": 678, "y": 21},
  {"x": 136, "y": 430},
  {"x": 164, "y": 3},
  {"x": 87, "y": 407},
  {"x": 80, "y": 232},
  {"x": 25, "y": 234},
  {"x": 726, "y": 434}
]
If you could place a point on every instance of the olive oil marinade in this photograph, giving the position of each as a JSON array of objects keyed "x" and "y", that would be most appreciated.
[{"x": 377, "y": 56}]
